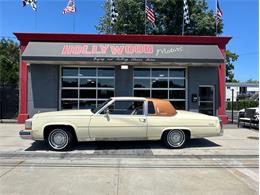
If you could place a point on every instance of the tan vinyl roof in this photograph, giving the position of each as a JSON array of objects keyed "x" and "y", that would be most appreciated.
[{"x": 163, "y": 107}]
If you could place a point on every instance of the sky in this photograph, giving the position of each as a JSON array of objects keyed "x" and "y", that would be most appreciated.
[{"x": 241, "y": 22}]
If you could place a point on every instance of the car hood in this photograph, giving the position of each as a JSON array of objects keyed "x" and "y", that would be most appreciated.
[{"x": 65, "y": 113}]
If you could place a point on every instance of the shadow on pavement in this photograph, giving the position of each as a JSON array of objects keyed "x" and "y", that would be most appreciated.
[{"x": 143, "y": 146}]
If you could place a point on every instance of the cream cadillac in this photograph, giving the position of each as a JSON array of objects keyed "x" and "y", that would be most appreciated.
[{"x": 121, "y": 118}]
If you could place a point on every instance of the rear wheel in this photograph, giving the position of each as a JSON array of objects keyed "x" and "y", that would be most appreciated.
[
  {"x": 59, "y": 139},
  {"x": 175, "y": 138}
]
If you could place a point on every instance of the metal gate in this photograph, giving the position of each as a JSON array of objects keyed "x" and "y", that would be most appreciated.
[{"x": 9, "y": 101}]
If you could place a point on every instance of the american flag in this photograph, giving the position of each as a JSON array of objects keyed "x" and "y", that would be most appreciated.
[
  {"x": 149, "y": 13},
  {"x": 70, "y": 8},
  {"x": 186, "y": 12},
  {"x": 30, "y": 2},
  {"x": 219, "y": 14}
]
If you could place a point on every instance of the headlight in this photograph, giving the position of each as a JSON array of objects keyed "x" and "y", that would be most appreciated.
[{"x": 28, "y": 124}]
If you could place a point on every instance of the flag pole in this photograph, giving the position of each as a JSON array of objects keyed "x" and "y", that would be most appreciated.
[
  {"x": 36, "y": 13},
  {"x": 216, "y": 18},
  {"x": 73, "y": 22},
  {"x": 145, "y": 2},
  {"x": 182, "y": 23}
]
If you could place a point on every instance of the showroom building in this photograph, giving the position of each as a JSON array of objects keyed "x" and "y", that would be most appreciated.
[{"x": 80, "y": 71}]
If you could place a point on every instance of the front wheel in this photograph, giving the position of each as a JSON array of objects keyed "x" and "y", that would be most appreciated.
[
  {"x": 59, "y": 139},
  {"x": 175, "y": 138}
]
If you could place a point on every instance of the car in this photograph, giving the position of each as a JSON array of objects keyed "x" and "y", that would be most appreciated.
[{"x": 121, "y": 118}]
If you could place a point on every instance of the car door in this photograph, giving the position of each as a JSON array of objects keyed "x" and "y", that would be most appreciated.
[{"x": 121, "y": 120}]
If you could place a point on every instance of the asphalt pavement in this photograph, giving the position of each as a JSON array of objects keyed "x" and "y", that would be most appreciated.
[{"x": 218, "y": 165}]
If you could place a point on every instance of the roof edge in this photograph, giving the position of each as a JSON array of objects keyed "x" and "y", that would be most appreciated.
[{"x": 130, "y": 38}]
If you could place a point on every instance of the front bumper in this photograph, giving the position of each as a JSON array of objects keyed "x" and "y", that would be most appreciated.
[{"x": 25, "y": 134}]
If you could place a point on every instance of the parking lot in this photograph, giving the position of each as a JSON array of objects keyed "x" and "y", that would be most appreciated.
[{"x": 217, "y": 165}]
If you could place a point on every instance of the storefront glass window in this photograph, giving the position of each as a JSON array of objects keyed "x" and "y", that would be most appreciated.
[
  {"x": 106, "y": 83},
  {"x": 177, "y": 83},
  {"x": 70, "y": 82},
  {"x": 159, "y": 83},
  {"x": 163, "y": 83},
  {"x": 142, "y": 83},
  {"x": 70, "y": 72},
  {"x": 142, "y": 72},
  {"x": 86, "y": 87},
  {"x": 159, "y": 72},
  {"x": 88, "y": 72},
  {"x": 88, "y": 82}
]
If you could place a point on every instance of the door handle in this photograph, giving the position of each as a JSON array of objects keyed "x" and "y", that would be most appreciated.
[{"x": 142, "y": 120}]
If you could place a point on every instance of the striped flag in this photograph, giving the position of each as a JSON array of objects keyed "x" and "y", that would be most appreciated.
[
  {"x": 219, "y": 14},
  {"x": 30, "y": 2},
  {"x": 186, "y": 17},
  {"x": 70, "y": 8},
  {"x": 114, "y": 13},
  {"x": 150, "y": 13}
]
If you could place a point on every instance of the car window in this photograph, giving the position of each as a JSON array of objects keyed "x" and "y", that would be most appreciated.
[
  {"x": 94, "y": 110},
  {"x": 151, "y": 109},
  {"x": 126, "y": 107}
]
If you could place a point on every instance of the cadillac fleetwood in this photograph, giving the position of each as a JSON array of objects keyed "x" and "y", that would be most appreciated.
[{"x": 121, "y": 118}]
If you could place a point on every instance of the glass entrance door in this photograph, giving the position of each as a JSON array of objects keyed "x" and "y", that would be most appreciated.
[{"x": 207, "y": 99}]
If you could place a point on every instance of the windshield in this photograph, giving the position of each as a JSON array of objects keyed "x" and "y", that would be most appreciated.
[{"x": 94, "y": 110}]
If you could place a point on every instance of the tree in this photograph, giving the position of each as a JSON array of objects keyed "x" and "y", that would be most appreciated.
[
  {"x": 169, "y": 16},
  {"x": 230, "y": 59},
  {"x": 9, "y": 62}
]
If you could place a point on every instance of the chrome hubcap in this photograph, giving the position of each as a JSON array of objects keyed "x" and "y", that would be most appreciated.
[
  {"x": 58, "y": 139},
  {"x": 176, "y": 138}
]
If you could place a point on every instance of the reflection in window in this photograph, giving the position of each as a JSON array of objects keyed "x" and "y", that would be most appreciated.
[
  {"x": 90, "y": 82},
  {"x": 177, "y": 94},
  {"x": 142, "y": 72},
  {"x": 179, "y": 105},
  {"x": 69, "y": 104},
  {"x": 70, "y": 72},
  {"x": 142, "y": 93},
  {"x": 87, "y": 104},
  {"x": 70, "y": 82},
  {"x": 159, "y": 72},
  {"x": 159, "y": 83},
  {"x": 106, "y": 83},
  {"x": 162, "y": 94},
  {"x": 69, "y": 93},
  {"x": 177, "y": 73},
  {"x": 177, "y": 83},
  {"x": 87, "y": 93},
  {"x": 141, "y": 83},
  {"x": 106, "y": 72},
  {"x": 88, "y": 72},
  {"x": 105, "y": 93}
]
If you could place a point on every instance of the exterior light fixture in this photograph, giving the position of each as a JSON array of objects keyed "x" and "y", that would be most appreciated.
[{"x": 124, "y": 67}]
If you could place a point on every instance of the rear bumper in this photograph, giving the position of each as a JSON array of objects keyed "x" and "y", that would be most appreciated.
[{"x": 25, "y": 134}]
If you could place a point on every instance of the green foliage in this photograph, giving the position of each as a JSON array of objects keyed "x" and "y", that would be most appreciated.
[
  {"x": 238, "y": 105},
  {"x": 9, "y": 62},
  {"x": 169, "y": 16},
  {"x": 230, "y": 59}
]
